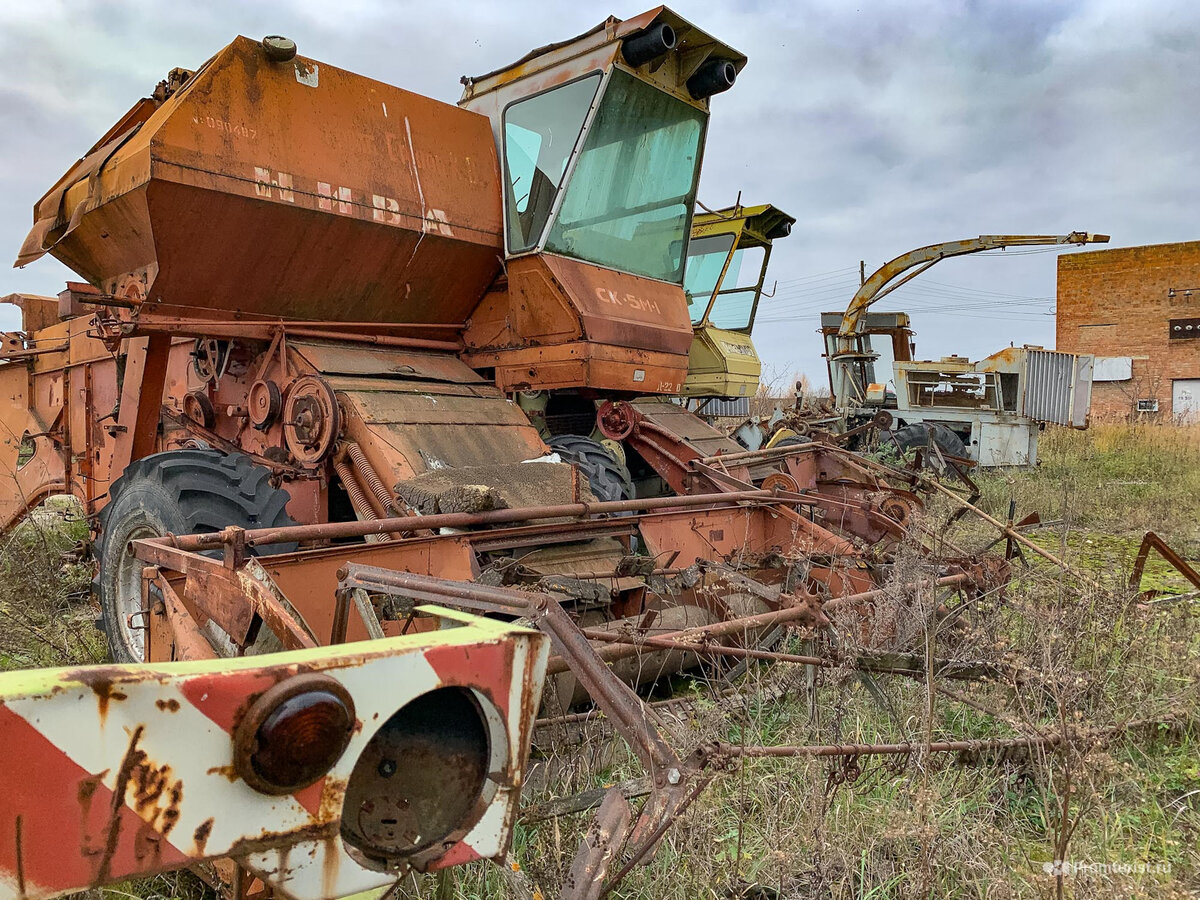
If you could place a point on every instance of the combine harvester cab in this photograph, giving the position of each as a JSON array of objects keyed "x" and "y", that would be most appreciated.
[{"x": 727, "y": 264}]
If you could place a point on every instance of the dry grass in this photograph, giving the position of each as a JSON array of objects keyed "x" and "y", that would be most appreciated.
[{"x": 923, "y": 826}]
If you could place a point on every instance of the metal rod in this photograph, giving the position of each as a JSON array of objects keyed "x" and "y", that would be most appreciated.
[
  {"x": 1008, "y": 531},
  {"x": 616, "y": 651},
  {"x": 337, "y": 530},
  {"x": 1042, "y": 740},
  {"x": 263, "y": 331},
  {"x": 662, "y": 643},
  {"x": 890, "y": 749},
  {"x": 760, "y": 455}
]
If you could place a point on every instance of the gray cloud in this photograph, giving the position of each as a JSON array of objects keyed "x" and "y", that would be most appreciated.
[{"x": 882, "y": 128}]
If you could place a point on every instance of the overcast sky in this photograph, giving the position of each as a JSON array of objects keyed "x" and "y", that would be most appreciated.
[{"x": 881, "y": 128}]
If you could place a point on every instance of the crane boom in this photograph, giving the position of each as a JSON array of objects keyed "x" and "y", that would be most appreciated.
[
  {"x": 883, "y": 281},
  {"x": 875, "y": 287}
]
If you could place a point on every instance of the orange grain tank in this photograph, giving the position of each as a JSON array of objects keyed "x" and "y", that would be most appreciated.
[{"x": 289, "y": 188}]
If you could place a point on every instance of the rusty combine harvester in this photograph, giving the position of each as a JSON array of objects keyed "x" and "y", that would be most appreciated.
[{"x": 355, "y": 381}]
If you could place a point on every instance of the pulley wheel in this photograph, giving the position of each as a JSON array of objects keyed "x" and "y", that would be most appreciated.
[
  {"x": 265, "y": 404},
  {"x": 311, "y": 420}
]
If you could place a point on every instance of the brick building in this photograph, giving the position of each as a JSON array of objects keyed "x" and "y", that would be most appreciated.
[{"x": 1137, "y": 310}]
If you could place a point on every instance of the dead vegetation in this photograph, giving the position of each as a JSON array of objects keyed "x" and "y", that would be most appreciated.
[{"x": 1102, "y": 686}]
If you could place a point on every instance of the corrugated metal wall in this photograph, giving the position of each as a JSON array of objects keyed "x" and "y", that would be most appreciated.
[{"x": 1058, "y": 387}]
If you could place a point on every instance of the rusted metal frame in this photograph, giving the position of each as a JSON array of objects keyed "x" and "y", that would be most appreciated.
[
  {"x": 1009, "y": 531},
  {"x": 141, "y": 402},
  {"x": 658, "y": 446},
  {"x": 768, "y": 454},
  {"x": 272, "y": 607},
  {"x": 339, "y": 530},
  {"x": 195, "y": 428},
  {"x": 1153, "y": 541},
  {"x": 762, "y": 620},
  {"x": 720, "y": 480},
  {"x": 31, "y": 352},
  {"x": 187, "y": 640},
  {"x": 263, "y": 331},
  {"x": 599, "y": 847},
  {"x": 540, "y": 535},
  {"x": 852, "y": 458},
  {"x": 890, "y": 749},
  {"x": 867, "y": 662},
  {"x": 828, "y": 502},
  {"x": 236, "y": 598},
  {"x": 630, "y": 716},
  {"x": 167, "y": 312},
  {"x": 610, "y": 693}
]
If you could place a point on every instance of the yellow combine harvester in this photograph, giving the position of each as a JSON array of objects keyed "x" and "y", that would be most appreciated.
[{"x": 726, "y": 269}]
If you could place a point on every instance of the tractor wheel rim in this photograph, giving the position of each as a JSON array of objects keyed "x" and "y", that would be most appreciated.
[{"x": 128, "y": 601}]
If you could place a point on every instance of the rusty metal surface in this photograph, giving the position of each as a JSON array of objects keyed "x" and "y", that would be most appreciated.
[
  {"x": 1153, "y": 541},
  {"x": 557, "y": 323},
  {"x": 411, "y": 240},
  {"x": 124, "y": 771},
  {"x": 336, "y": 358}
]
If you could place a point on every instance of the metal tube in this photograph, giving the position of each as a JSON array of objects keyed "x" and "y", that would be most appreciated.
[
  {"x": 762, "y": 620},
  {"x": 264, "y": 330},
  {"x": 1040, "y": 740},
  {"x": 892, "y": 749},
  {"x": 701, "y": 649},
  {"x": 337, "y": 530},
  {"x": 762, "y": 454}
]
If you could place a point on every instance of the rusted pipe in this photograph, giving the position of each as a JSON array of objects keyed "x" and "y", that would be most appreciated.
[
  {"x": 339, "y": 530},
  {"x": 889, "y": 749},
  {"x": 1009, "y": 531},
  {"x": 763, "y": 620},
  {"x": 763, "y": 454},
  {"x": 264, "y": 331},
  {"x": 1041, "y": 740},
  {"x": 703, "y": 649}
]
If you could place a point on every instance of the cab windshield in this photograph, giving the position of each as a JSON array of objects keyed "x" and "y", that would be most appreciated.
[{"x": 627, "y": 204}]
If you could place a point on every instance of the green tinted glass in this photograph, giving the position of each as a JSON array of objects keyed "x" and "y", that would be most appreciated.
[
  {"x": 539, "y": 135},
  {"x": 739, "y": 290},
  {"x": 627, "y": 203},
  {"x": 705, "y": 259}
]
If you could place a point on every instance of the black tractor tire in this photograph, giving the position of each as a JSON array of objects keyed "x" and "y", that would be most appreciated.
[
  {"x": 921, "y": 434},
  {"x": 176, "y": 492},
  {"x": 607, "y": 477}
]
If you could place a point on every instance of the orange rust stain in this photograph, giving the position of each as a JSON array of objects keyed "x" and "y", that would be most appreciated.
[
  {"x": 331, "y": 863},
  {"x": 229, "y": 772},
  {"x": 152, "y": 784},
  {"x": 101, "y": 682},
  {"x": 200, "y": 835}
]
